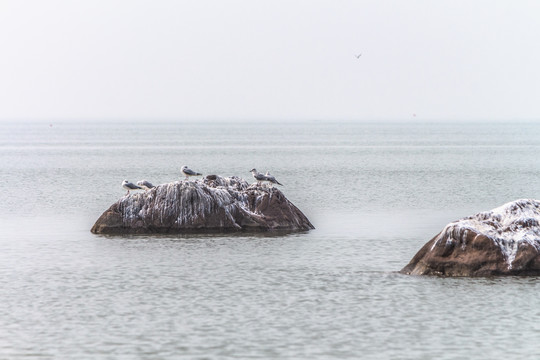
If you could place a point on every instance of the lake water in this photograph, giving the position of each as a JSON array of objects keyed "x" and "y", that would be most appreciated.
[{"x": 376, "y": 192}]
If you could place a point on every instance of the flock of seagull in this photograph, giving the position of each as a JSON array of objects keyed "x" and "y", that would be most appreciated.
[{"x": 146, "y": 185}]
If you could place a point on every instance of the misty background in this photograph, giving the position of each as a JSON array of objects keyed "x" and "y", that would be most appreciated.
[{"x": 99, "y": 60}]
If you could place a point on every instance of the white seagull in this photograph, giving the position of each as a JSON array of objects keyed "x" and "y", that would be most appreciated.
[
  {"x": 258, "y": 176},
  {"x": 146, "y": 185},
  {"x": 130, "y": 186},
  {"x": 272, "y": 179},
  {"x": 188, "y": 172}
]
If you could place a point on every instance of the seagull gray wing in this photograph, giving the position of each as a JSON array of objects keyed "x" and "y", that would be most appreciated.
[
  {"x": 145, "y": 183},
  {"x": 188, "y": 171},
  {"x": 132, "y": 186},
  {"x": 272, "y": 179}
]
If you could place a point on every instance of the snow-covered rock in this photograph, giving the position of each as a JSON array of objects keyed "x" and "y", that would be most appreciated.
[
  {"x": 213, "y": 204},
  {"x": 503, "y": 241}
]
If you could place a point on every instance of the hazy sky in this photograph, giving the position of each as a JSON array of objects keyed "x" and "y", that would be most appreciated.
[{"x": 251, "y": 59}]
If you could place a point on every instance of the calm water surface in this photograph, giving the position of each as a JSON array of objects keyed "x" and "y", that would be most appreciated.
[{"x": 376, "y": 192}]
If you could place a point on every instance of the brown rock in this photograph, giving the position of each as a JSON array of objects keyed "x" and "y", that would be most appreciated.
[
  {"x": 503, "y": 241},
  {"x": 215, "y": 204}
]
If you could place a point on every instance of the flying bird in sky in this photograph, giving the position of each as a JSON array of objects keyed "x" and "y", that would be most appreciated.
[{"x": 358, "y": 56}]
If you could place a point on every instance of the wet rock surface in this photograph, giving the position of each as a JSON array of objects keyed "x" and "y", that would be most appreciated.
[
  {"x": 503, "y": 241},
  {"x": 214, "y": 204}
]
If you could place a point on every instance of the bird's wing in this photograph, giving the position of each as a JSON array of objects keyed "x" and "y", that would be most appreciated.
[{"x": 189, "y": 172}]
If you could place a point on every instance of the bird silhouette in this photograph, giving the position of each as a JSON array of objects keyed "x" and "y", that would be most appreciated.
[{"x": 358, "y": 56}]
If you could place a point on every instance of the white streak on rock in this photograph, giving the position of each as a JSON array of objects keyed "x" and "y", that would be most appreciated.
[{"x": 508, "y": 226}]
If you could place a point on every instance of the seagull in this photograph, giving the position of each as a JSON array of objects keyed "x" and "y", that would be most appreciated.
[
  {"x": 130, "y": 186},
  {"x": 188, "y": 172},
  {"x": 272, "y": 179},
  {"x": 258, "y": 176},
  {"x": 146, "y": 185},
  {"x": 358, "y": 56}
]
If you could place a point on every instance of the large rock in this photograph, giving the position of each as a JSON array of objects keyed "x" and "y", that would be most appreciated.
[
  {"x": 503, "y": 241},
  {"x": 209, "y": 205}
]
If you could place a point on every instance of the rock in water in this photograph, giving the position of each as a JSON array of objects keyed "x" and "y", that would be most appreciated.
[
  {"x": 213, "y": 204},
  {"x": 503, "y": 241}
]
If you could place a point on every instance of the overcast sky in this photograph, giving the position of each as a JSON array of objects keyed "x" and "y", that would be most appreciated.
[{"x": 251, "y": 59}]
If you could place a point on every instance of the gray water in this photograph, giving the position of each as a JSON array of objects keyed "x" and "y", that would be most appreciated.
[{"x": 376, "y": 192}]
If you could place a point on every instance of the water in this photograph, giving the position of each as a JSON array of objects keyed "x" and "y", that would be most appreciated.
[{"x": 376, "y": 192}]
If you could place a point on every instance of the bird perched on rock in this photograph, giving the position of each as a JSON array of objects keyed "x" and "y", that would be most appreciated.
[
  {"x": 258, "y": 176},
  {"x": 188, "y": 172},
  {"x": 271, "y": 179},
  {"x": 130, "y": 186},
  {"x": 146, "y": 185}
]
